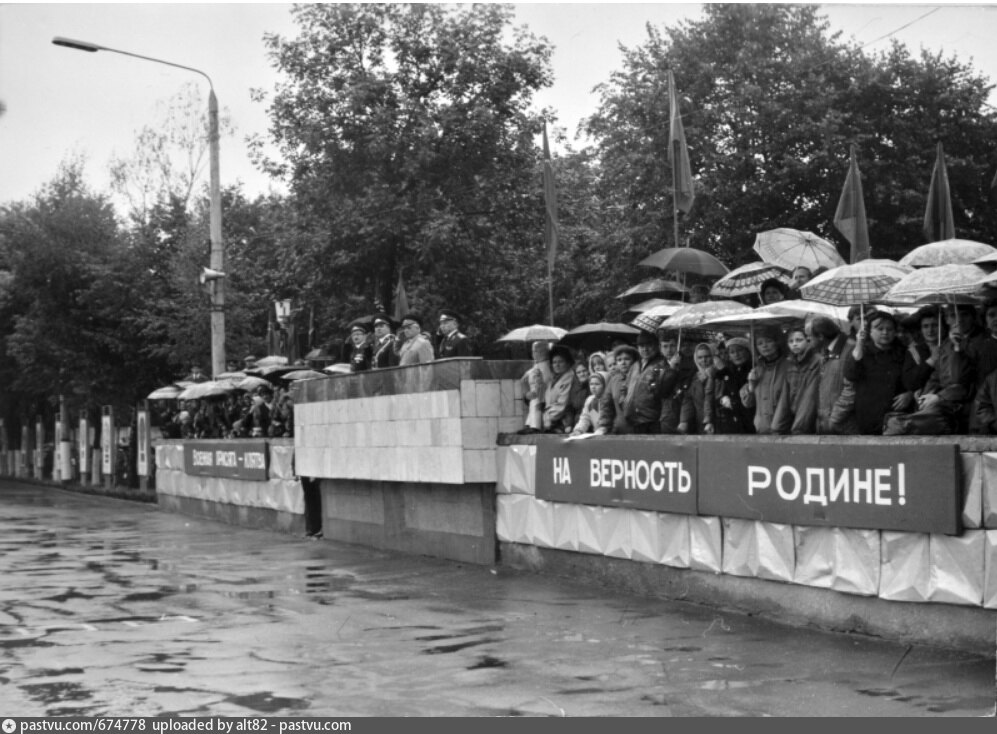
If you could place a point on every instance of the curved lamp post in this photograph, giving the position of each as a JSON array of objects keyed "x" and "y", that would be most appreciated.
[{"x": 217, "y": 261}]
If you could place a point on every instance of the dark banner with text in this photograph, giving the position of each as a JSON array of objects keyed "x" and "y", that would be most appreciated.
[
  {"x": 643, "y": 475},
  {"x": 242, "y": 459},
  {"x": 884, "y": 487}
]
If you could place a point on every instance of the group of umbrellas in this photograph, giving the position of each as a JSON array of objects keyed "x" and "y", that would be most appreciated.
[
  {"x": 946, "y": 272},
  {"x": 269, "y": 371}
]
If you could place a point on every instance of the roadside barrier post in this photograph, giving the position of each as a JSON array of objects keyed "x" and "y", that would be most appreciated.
[
  {"x": 84, "y": 440},
  {"x": 108, "y": 444},
  {"x": 65, "y": 443},
  {"x": 142, "y": 445},
  {"x": 39, "y": 447}
]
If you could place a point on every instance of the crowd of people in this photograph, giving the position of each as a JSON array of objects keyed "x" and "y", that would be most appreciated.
[
  {"x": 931, "y": 372},
  {"x": 380, "y": 342}
]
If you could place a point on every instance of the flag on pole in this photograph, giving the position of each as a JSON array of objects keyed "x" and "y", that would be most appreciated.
[
  {"x": 401, "y": 299},
  {"x": 682, "y": 177},
  {"x": 551, "y": 227},
  {"x": 850, "y": 219},
  {"x": 311, "y": 328},
  {"x": 938, "y": 221}
]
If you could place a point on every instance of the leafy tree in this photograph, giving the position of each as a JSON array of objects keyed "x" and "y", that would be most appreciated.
[
  {"x": 409, "y": 146},
  {"x": 774, "y": 101}
]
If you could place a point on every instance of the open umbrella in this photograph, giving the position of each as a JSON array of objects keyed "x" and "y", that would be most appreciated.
[
  {"x": 792, "y": 248},
  {"x": 654, "y": 287},
  {"x": 651, "y": 319},
  {"x": 167, "y": 392},
  {"x": 847, "y": 285},
  {"x": 303, "y": 375},
  {"x": 697, "y": 314},
  {"x": 955, "y": 283},
  {"x": 340, "y": 368},
  {"x": 685, "y": 260},
  {"x": 271, "y": 360},
  {"x": 746, "y": 280},
  {"x": 534, "y": 333},
  {"x": 650, "y": 303},
  {"x": 782, "y": 314},
  {"x": 201, "y": 390},
  {"x": 947, "y": 252},
  {"x": 252, "y": 382},
  {"x": 598, "y": 335}
]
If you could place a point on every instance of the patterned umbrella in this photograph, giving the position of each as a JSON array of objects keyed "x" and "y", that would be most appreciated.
[
  {"x": 685, "y": 260},
  {"x": 697, "y": 314},
  {"x": 252, "y": 382},
  {"x": 864, "y": 282},
  {"x": 745, "y": 280},
  {"x": 651, "y": 319},
  {"x": 271, "y": 361},
  {"x": 650, "y": 303},
  {"x": 791, "y": 249},
  {"x": 534, "y": 333},
  {"x": 783, "y": 314},
  {"x": 654, "y": 287},
  {"x": 947, "y": 252},
  {"x": 940, "y": 284},
  {"x": 303, "y": 375}
]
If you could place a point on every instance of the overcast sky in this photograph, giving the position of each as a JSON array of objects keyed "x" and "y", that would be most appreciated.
[{"x": 61, "y": 101}]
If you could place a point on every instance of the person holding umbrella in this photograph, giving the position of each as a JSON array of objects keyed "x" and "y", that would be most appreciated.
[{"x": 875, "y": 368}]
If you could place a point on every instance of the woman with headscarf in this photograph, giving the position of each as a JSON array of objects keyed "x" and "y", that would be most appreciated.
[
  {"x": 767, "y": 379},
  {"x": 558, "y": 415},
  {"x": 535, "y": 381},
  {"x": 692, "y": 418},
  {"x": 588, "y": 418},
  {"x": 723, "y": 409}
]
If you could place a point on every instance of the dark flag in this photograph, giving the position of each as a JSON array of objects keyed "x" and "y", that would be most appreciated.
[
  {"x": 551, "y": 228},
  {"x": 401, "y": 299},
  {"x": 682, "y": 171},
  {"x": 850, "y": 217},
  {"x": 938, "y": 221}
]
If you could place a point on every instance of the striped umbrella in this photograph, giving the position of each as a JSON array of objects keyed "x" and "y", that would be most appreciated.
[
  {"x": 863, "y": 282},
  {"x": 792, "y": 248},
  {"x": 746, "y": 280}
]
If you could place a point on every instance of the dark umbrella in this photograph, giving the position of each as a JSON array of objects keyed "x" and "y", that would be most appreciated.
[
  {"x": 654, "y": 287},
  {"x": 598, "y": 335},
  {"x": 685, "y": 260}
]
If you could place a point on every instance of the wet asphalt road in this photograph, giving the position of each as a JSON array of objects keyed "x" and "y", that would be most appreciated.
[{"x": 114, "y": 608}]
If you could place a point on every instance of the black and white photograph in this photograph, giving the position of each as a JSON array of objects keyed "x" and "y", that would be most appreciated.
[{"x": 363, "y": 362}]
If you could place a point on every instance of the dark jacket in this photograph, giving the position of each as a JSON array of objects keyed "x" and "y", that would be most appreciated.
[
  {"x": 831, "y": 383},
  {"x": 647, "y": 386},
  {"x": 878, "y": 378},
  {"x": 361, "y": 358},
  {"x": 694, "y": 402},
  {"x": 728, "y": 383},
  {"x": 674, "y": 395},
  {"x": 454, "y": 345},
  {"x": 917, "y": 371},
  {"x": 385, "y": 354}
]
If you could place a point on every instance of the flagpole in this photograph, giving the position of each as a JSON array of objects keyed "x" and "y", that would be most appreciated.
[
  {"x": 550, "y": 292},
  {"x": 675, "y": 192}
]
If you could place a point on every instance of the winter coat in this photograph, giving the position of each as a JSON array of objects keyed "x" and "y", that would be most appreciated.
[
  {"x": 833, "y": 414},
  {"x": 796, "y": 412},
  {"x": 558, "y": 415},
  {"x": 611, "y": 417},
  {"x": 878, "y": 378},
  {"x": 728, "y": 383},
  {"x": 917, "y": 371},
  {"x": 693, "y": 413},
  {"x": 416, "y": 350},
  {"x": 765, "y": 394},
  {"x": 647, "y": 386}
]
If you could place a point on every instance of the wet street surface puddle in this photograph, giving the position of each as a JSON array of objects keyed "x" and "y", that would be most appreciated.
[{"x": 114, "y": 608}]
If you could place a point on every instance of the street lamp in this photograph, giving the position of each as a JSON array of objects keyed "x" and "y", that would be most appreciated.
[{"x": 217, "y": 260}]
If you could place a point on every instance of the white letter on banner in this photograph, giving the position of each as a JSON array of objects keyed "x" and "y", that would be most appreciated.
[
  {"x": 753, "y": 484},
  {"x": 901, "y": 485},
  {"x": 629, "y": 475},
  {"x": 809, "y": 498},
  {"x": 643, "y": 475},
  {"x": 685, "y": 480},
  {"x": 595, "y": 474},
  {"x": 796, "y": 479},
  {"x": 840, "y": 487},
  {"x": 882, "y": 485},
  {"x": 862, "y": 485},
  {"x": 672, "y": 467},
  {"x": 657, "y": 476},
  {"x": 617, "y": 473},
  {"x": 562, "y": 470}
]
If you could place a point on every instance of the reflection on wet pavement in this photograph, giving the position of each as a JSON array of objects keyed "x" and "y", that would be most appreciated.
[{"x": 112, "y": 608}]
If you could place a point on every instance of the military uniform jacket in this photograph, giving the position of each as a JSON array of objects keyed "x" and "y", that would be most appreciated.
[{"x": 454, "y": 345}]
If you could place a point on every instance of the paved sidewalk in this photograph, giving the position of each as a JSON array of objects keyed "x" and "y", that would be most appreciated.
[{"x": 110, "y": 607}]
